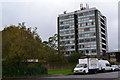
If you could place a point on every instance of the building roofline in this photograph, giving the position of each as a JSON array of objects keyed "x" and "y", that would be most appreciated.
[
  {"x": 113, "y": 51},
  {"x": 77, "y": 11}
]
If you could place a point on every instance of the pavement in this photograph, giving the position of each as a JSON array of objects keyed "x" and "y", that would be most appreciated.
[{"x": 98, "y": 76}]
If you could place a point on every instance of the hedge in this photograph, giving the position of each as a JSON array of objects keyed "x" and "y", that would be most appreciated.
[{"x": 24, "y": 69}]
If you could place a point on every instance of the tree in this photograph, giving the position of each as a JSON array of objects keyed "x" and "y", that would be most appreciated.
[
  {"x": 74, "y": 57},
  {"x": 24, "y": 43},
  {"x": 52, "y": 42},
  {"x": 19, "y": 44},
  {"x": 20, "y": 40}
]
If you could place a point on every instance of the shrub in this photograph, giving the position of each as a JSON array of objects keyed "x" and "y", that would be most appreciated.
[
  {"x": 25, "y": 69},
  {"x": 74, "y": 57}
]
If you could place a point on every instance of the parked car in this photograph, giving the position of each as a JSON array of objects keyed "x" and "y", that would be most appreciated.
[
  {"x": 119, "y": 67},
  {"x": 115, "y": 67}
]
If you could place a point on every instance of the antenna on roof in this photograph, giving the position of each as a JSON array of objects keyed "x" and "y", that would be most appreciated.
[
  {"x": 81, "y": 6},
  {"x": 87, "y": 6},
  {"x": 84, "y": 7}
]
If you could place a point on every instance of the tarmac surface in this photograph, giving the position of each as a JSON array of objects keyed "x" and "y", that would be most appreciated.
[{"x": 98, "y": 76}]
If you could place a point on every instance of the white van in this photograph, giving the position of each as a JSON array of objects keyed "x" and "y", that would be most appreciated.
[
  {"x": 87, "y": 65},
  {"x": 104, "y": 65}
]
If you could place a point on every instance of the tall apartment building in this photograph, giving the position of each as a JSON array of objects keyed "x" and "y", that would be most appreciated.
[{"x": 83, "y": 31}]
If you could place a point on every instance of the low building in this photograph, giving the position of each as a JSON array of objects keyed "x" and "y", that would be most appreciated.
[{"x": 114, "y": 55}]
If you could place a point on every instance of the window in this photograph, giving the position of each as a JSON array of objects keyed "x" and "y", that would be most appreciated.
[
  {"x": 91, "y": 17},
  {"x": 81, "y": 40},
  {"x": 80, "y": 35},
  {"x": 80, "y": 14},
  {"x": 71, "y": 36},
  {"x": 80, "y": 30},
  {"x": 83, "y": 24},
  {"x": 62, "y": 37},
  {"x": 87, "y": 46},
  {"x": 66, "y": 17},
  {"x": 86, "y": 29},
  {"x": 72, "y": 31},
  {"x": 79, "y": 25},
  {"x": 67, "y": 22},
  {"x": 93, "y": 23},
  {"x": 93, "y": 51},
  {"x": 87, "y": 40},
  {"x": 92, "y": 29},
  {"x": 81, "y": 46},
  {"x": 65, "y": 32},
  {"x": 87, "y": 51},
  {"x": 71, "y": 16},
  {"x": 89, "y": 23},
  {"x": 71, "y": 21},
  {"x": 93, "y": 39},
  {"x": 107, "y": 64},
  {"x": 72, "y": 26},
  {"x": 72, "y": 41},
  {"x": 72, "y": 47},
  {"x": 85, "y": 13},
  {"x": 93, "y": 45},
  {"x": 91, "y": 12},
  {"x": 92, "y": 34},
  {"x": 66, "y": 27},
  {"x": 66, "y": 37},
  {"x": 61, "y": 23},
  {"x": 86, "y": 35},
  {"x": 67, "y": 42}
]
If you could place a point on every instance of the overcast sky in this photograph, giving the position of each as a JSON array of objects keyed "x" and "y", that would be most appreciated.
[{"x": 43, "y": 15}]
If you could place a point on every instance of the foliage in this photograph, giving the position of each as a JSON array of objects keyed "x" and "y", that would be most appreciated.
[
  {"x": 52, "y": 42},
  {"x": 52, "y": 48},
  {"x": 21, "y": 43},
  {"x": 24, "y": 43},
  {"x": 24, "y": 69},
  {"x": 74, "y": 57}
]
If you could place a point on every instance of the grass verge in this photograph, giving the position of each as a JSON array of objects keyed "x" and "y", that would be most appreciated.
[{"x": 63, "y": 72}]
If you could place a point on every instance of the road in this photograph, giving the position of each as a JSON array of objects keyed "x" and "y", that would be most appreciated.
[{"x": 98, "y": 76}]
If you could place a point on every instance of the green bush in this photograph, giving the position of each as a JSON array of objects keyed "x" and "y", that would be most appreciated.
[
  {"x": 73, "y": 58},
  {"x": 25, "y": 69}
]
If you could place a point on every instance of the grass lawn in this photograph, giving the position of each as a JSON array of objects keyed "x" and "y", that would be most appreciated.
[{"x": 64, "y": 72}]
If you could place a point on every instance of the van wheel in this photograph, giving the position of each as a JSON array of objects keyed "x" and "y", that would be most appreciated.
[
  {"x": 84, "y": 72},
  {"x": 74, "y": 73},
  {"x": 112, "y": 70},
  {"x": 95, "y": 71},
  {"x": 103, "y": 70}
]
